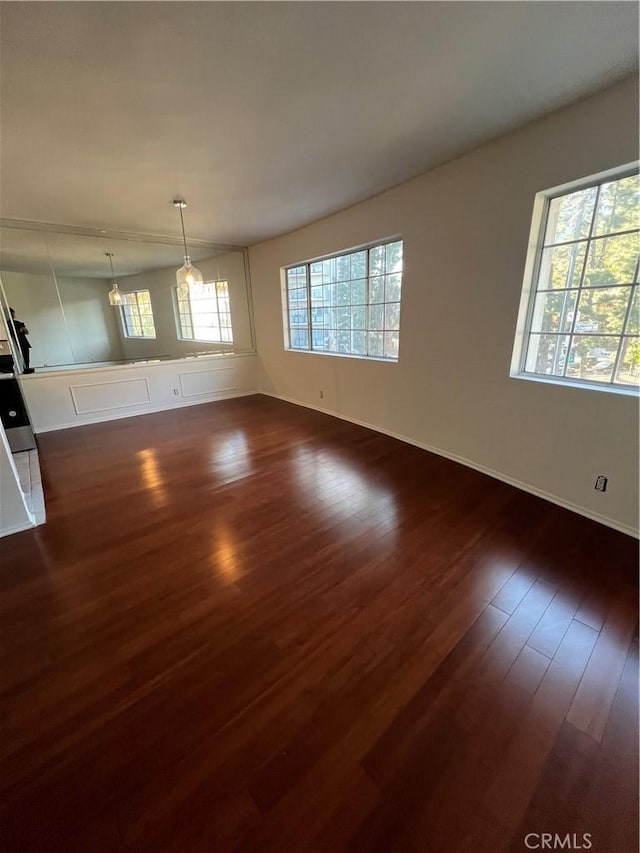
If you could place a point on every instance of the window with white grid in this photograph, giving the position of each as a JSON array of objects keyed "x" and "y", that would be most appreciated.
[
  {"x": 347, "y": 304},
  {"x": 204, "y": 312},
  {"x": 583, "y": 315},
  {"x": 137, "y": 315}
]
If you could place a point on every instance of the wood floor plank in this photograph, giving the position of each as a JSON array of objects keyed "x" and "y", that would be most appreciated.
[
  {"x": 519, "y": 770},
  {"x": 590, "y": 708},
  {"x": 250, "y": 626}
]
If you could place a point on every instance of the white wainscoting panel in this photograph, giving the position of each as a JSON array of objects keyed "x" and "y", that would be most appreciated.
[
  {"x": 213, "y": 381},
  {"x": 68, "y": 398},
  {"x": 106, "y": 396}
]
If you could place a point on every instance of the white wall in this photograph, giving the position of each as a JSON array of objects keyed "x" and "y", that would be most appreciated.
[
  {"x": 74, "y": 397},
  {"x": 35, "y": 300},
  {"x": 160, "y": 283},
  {"x": 465, "y": 227},
  {"x": 92, "y": 322},
  {"x": 14, "y": 515},
  {"x": 86, "y": 331}
]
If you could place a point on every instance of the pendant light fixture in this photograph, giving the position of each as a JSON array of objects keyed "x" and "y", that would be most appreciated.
[
  {"x": 115, "y": 295},
  {"x": 187, "y": 274}
]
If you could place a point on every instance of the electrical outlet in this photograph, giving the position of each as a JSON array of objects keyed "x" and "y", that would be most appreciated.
[
  {"x": 175, "y": 391},
  {"x": 601, "y": 483}
]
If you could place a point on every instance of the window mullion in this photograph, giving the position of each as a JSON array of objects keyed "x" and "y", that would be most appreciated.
[
  {"x": 367, "y": 311},
  {"x": 308, "y": 289}
]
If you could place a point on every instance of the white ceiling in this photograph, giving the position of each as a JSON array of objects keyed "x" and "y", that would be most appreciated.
[
  {"x": 266, "y": 116},
  {"x": 82, "y": 255}
]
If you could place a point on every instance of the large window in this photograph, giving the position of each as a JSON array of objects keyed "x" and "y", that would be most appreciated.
[
  {"x": 347, "y": 304},
  {"x": 137, "y": 315},
  {"x": 582, "y": 320},
  {"x": 204, "y": 313}
]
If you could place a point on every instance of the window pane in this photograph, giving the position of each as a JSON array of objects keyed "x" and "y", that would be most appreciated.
[
  {"x": 561, "y": 267},
  {"x": 327, "y": 294},
  {"x": 376, "y": 260},
  {"x": 592, "y": 357},
  {"x": 359, "y": 264},
  {"x": 376, "y": 344},
  {"x": 612, "y": 260},
  {"x": 297, "y": 296},
  {"x": 344, "y": 341},
  {"x": 329, "y": 271},
  {"x": 358, "y": 292},
  {"x": 392, "y": 288},
  {"x": 394, "y": 257},
  {"x": 344, "y": 268},
  {"x": 633, "y": 322},
  {"x": 570, "y": 216},
  {"x": 292, "y": 279},
  {"x": 391, "y": 340},
  {"x": 300, "y": 338},
  {"x": 317, "y": 295},
  {"x": 602, "y": 309},
  {"x": 618, "y": 206},
  {"x": 376, "y": 289},
  {"x": 392, "y": 316},
  {"x": 376, "y": 317},
  {"x": 344, "y": 317},
  {"x": 546, "y": 354},
  {"x": 316, "y": 273},
  {"x": 319, "y": 338},
  {"x": 359, "y": 317},
  {"x": 553, "y": 311},
  {"x": 359, "y": 343},
  {"x": 343, "y": 293},
  {"x": 629, "y": 367}
]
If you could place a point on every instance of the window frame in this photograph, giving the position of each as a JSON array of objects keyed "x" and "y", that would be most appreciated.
[
  {"x": 123, "y": 319},
  {"x": 536, "y": 247},
  {"x": 310, "y": 350},
  {"x": 178, "y": 318}
]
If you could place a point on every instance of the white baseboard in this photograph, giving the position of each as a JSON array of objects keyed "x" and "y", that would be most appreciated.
[
  {"x": 497, "y": 475},
  {"x": 17, "y": 528},
  {"x": 115, "y": 416}
]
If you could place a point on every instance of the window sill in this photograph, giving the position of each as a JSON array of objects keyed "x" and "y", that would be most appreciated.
[
  {"x": 202, "y": 341},
  {"x": 379, "y": 359},
  {"x": 624, "y": 390}
]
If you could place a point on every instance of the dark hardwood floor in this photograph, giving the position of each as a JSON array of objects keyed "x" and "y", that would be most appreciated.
[{"x": 248, "y": 626}]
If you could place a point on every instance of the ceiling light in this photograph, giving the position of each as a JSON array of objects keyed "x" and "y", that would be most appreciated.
[
  {"x": 187, "y": 274},
  {"x": 115, "y": 295}
]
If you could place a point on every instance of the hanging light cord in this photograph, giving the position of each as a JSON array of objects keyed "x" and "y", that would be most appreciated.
[
  {"x": 110, "y": 256},
  {"x": 184, "y": 236}
]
